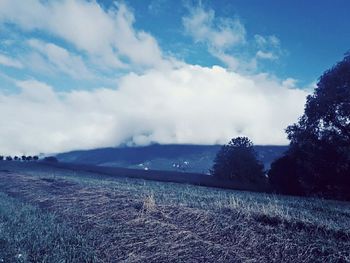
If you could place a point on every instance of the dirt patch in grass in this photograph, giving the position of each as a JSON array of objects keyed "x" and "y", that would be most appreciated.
[{"x": 130, "y": 228}]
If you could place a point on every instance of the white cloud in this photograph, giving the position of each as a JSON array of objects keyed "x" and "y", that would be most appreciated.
[
  {"x": 107, "y": 36},
  {"x": 226, "y": 39},
  {"x": 10, "y": 62},
  {"x": 290, "y": 83},
  {"x": 191, "y": 104},
  {"x": 61, "y": 59},
  {"x": 269, "y": 47},
  {"x": 229, "y": 60},
  {"x": 221, "y": 34},
  {"x": 139, "y": 46},
  {"x": 267, "y": 41},
  {"x": 218, "y": 34},
  {"x": 266, "y": 55}
]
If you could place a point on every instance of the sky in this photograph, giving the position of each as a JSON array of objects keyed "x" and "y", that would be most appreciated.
[{"x": 79, "y": 74}]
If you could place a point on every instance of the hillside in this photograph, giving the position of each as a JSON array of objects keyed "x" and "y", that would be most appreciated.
[{"x": 185, "y": 158}]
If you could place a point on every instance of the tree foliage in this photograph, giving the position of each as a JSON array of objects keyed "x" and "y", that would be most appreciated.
[
  {"x": 320, "y": 141},
  {"x": 237, "y": 161}
]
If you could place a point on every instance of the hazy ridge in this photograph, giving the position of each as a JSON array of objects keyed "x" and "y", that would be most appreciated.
[{"x": 186, "y": 158}]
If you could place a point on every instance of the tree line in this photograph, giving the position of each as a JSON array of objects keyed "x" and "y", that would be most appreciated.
[
  {"x": 19, "y": 158},
  {"x": 27, "y": 158},
  {"x": 317, "y": 162}
]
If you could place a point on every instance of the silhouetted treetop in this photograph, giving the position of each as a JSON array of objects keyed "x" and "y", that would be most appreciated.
[
  {"x": 237, "y": 160},
  {"x": 327, "y": 110},
  {"x": 320, "y": 140}
]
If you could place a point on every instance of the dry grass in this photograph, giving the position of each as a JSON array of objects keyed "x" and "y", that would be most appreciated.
[
  {"x": 136, "y": 221},
  {"x": 148, "y": 205}
]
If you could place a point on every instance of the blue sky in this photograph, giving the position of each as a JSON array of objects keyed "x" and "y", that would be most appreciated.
[{"x": 83, "y": 74}]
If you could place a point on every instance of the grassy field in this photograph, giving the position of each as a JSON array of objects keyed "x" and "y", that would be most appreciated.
[
  {"x": 28, "y": 234},
  {"x": 56, "y": 215}
]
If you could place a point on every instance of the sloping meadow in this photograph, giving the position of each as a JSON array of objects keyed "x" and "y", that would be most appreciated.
[{"x": 132, "y": 220}]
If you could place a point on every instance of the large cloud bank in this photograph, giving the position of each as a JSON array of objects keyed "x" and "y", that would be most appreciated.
[{"x": 191, "y": 104}]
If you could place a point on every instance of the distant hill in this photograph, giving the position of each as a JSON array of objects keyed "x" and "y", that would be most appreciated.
[{"x": 185, "y": 158}]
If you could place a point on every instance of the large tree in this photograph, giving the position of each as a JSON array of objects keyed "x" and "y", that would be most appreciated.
[
  {"x": 320, "y": 141},
  {"x": 237, "y": 161}
]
